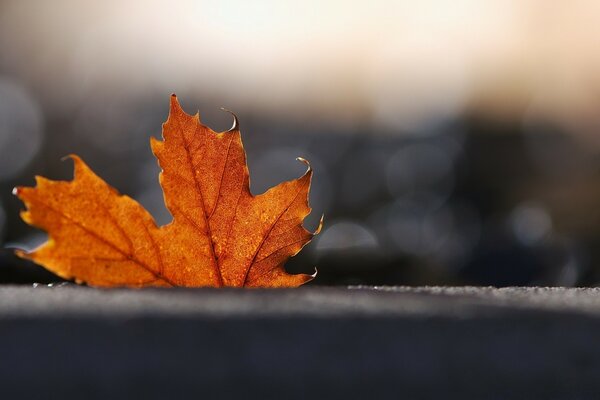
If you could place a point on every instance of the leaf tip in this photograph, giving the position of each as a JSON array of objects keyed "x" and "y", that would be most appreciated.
[
  {"x": 305, "y": 162},
  {"x": 21, "y": 253},
  {"x": 39, "y": 181},
  {"x": 76, "y": 159},
  {"x": 155, "y": 143},
  {"x": 21, "y": 192},
  {"x": 26, "y": 216},
  {"x": 236, "y": 123},
  {"x": 318, "y": 230},
  {"x": 175, "y": 107},
  {"x": 79, "y": 165}
]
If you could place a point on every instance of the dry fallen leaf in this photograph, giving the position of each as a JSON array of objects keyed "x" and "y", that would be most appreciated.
[{"x": 221, "y": 235}]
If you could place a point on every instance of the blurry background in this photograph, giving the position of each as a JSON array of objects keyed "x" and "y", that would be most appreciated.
[{"x": 453, "y": 141}]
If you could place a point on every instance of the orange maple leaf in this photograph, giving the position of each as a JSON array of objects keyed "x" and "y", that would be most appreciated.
[{"x": 221, "y": 235}]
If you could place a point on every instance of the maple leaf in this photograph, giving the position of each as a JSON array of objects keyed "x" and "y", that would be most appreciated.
[{"x": 221, "y": 234}]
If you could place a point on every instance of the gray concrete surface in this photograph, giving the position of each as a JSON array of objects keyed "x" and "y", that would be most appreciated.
[{"x": 313, "y": 342}]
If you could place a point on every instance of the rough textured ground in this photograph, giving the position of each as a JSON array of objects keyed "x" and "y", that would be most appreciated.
[{"x": 388, "y": 342}]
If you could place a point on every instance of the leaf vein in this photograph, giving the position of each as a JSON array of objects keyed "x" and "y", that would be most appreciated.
[
  {"x": 267, "y": 234},
  {"x": 198, "y": 187},
  {"x": 108, "y": 243},
  {"x": 221, "y": 180}
]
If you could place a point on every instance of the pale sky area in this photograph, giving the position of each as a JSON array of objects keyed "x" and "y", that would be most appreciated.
[{"x": 391, "y": 64}]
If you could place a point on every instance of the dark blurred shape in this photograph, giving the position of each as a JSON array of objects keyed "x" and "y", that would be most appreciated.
[
  {"x": 18, "y": 271},
  {"x": 421, "y": 171},
  {"x": 21, "y": 128}
]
